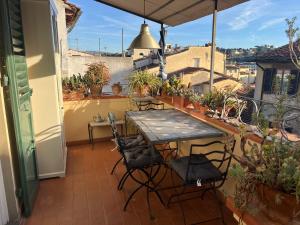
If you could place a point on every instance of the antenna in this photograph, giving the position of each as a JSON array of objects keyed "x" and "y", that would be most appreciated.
[
  {"x": 123, "y": 43},
  {"x": 99, "y": 46},
  {"x": 77, "y": 45}
]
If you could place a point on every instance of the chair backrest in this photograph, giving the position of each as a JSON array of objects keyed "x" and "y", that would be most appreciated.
[
  {"x": 221, "y": 155},
  {"x": 112, "y": 120},
  {"x": 150, "y": 106}
]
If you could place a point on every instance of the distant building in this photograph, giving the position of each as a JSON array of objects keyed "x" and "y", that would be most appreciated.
[
  {"x": 180, "y": 58},
  {"x": 276, "y": 65},
  {"x": 198, "y": 79},
  {"x": 245, "y": 72},
  {"x": 233, "y": 70}
]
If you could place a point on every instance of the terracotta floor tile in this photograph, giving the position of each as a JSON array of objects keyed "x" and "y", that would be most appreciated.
[{"x": 88, "y": 195}]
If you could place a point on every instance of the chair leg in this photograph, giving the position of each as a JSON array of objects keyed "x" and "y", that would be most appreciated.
[
  {"x": 180, "y": 205},
  {"x": 123, "y": 180},
  {"x": 113, "y": 169},
  {"x": 150, "y": 178},
  {"x": 131, "y": 195},
  {"x": 220, "y": 206}
]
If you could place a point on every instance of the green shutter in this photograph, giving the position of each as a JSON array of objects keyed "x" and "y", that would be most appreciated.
[{"x": 18, "y": 103}]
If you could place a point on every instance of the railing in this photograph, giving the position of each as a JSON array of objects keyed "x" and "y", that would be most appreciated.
[{"x": 244, "y": 110}]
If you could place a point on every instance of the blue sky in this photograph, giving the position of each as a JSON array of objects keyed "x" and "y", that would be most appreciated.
[{"x": 256, "y": 22}]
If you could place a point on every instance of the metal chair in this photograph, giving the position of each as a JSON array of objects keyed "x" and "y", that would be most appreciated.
[
  {"x": 128, "y": 142},
  {"x": 145, "y": 160},
  {"x": 144, "y": 106},
  {"x": 205, "y": 172}
]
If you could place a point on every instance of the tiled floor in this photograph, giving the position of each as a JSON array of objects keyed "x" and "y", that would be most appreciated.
[{"x": 88, "y": 196}]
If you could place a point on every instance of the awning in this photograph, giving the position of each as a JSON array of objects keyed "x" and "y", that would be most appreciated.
[{"x": 171, "y": 12}]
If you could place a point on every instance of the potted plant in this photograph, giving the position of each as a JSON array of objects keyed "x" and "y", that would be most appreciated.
[
  {"x": 214, "y": 102},
  {"x": 72, "y": 87},
  {"x": 268, "y": 175},
  {"x": 143, "y": 82},
  {"x": 116, "y": 88},
  {"x": 96, "y": 76}
]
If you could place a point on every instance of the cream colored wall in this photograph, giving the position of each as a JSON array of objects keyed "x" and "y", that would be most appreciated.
[
  {"x": 145, "y": 52},
  {"x": 235, "y": 73},
  {"x": 185, "y": 59},
  {"x": 197, "y": 78},
  {"x": 6, "y": 159},
  {"x": 79, "y": 113},
  {"x": 42, "y": 69}
]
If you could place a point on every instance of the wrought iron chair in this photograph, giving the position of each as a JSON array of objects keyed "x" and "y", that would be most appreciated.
[
  {"x": 144, "y": 106},
  {"x": 148, "y": 162},
  {"x": 128, "y": 142},
  {"x": 205, "y": 172}
]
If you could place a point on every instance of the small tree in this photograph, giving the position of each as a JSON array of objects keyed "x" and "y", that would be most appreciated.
[{"x": 294, "y": 41}]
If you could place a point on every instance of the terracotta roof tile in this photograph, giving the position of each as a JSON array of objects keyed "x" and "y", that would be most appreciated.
[
  {"x": 281, "y": 55},
  {"x": 73, "y": 13}
]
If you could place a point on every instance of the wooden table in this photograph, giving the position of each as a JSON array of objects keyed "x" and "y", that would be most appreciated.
[
  {"x": 162, "y": 126},
  {"x": 93, "y": 124}
]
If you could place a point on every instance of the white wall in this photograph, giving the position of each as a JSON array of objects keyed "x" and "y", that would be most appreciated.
[
  {"x": 44, "y": 71},
  {"x": 258, "y": 83},
  {"x": 119, "y": 67}
]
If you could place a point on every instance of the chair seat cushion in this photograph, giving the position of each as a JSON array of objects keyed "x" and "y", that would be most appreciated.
[
  {"x": 204, "y": 171},
  {"x": 129, "y": 142},
  {"x": 141, "y": 157}
]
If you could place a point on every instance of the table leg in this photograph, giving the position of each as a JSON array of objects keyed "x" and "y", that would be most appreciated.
[
  {"x": 89, "y": 132},
  {"x": 125, "y": 122},
  {"x": 92, "y": 135}
]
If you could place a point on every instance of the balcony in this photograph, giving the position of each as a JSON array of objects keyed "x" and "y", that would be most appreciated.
[{"x": 88, "y": 194}]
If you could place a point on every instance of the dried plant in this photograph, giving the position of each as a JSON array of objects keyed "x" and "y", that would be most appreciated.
[
  {"x": 96, "y": 74},
  {"x": 274, "y": 162},
  {"x": 294, "y": 41}
]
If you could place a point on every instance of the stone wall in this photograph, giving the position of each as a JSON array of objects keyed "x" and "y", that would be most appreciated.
[{"x": 119, "y": 67}]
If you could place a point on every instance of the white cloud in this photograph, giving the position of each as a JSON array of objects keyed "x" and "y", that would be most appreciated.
[
  {"x": 120, "y": 23},
  {"x": 253, "y": 11},
  {"x": 271, "y": 23}
]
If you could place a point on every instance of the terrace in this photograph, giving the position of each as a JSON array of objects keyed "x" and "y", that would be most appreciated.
[{"x": 84, "y": 191}]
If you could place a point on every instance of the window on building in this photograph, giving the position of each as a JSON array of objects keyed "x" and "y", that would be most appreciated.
[
  {"x": 281, "y": 81},
  {"x": 267, "y": 81},
  {"x": 196, "y": 62}
]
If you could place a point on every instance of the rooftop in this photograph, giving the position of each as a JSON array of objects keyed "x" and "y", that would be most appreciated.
[{"x": 277, "y": 55}]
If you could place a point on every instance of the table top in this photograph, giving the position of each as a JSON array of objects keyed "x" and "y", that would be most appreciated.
[
  {"x": 168, "y": 125},
  {"x": 105, "y": 123}
]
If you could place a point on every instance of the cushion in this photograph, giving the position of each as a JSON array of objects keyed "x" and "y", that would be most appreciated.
[
  {"x": 205, "y": 171},
  {"x": 130, "y": 142},
  {"x": 142, "y": 157}
]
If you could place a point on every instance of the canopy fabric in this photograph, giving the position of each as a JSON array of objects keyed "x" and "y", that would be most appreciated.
[{"x": 171, "y": 12}]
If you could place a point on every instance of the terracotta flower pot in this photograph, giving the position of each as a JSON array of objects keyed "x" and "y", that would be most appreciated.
[
  {"x": 278, "y": 206},
  {"x": 116, "y": 89},
  {"x": 186, "y": 102},
  {"x": 142, "y": 91},
  {"x": 197, "y": 106},
  {"x": 96, "y": 90}
]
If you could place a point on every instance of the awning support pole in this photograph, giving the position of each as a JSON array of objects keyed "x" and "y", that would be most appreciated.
[
  {"x": 213, "y": 46},
  {"x": 161, "y": 53}
]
